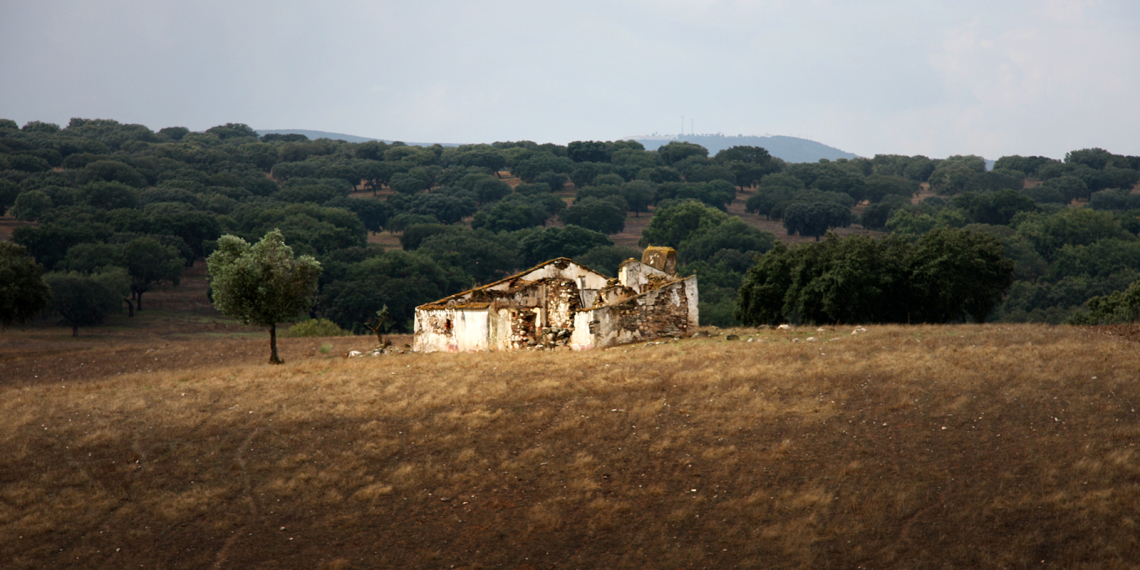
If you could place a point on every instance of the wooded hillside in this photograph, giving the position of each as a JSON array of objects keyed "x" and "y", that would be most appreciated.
[{"x": 127, "y": 208}]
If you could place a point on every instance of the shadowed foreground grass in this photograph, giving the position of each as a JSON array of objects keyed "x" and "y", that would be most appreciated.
[{"x": 904, "y": 447}]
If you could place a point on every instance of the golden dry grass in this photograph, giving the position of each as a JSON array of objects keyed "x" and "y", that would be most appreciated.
[{"x": 904, "y": 447}]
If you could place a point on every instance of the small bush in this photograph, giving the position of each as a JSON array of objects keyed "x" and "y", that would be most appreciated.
[{"x": 315, "y": 327}]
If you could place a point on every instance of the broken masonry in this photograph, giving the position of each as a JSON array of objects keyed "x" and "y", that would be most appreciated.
[{"x": 561, "y": 303}]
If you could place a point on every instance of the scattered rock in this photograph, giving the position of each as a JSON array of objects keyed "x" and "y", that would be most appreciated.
[
  {"x": 859, "y": 330},
  {"x": 785, "y": 327},
  {"x": 810, "y": 339},
  {"x": 378, "y": 351},
  {"x": 821, "y": 329},
  {"x": 732, "y": 337}
]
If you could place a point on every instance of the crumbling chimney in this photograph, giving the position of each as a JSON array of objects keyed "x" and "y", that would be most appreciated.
[{"x": 661, "y": 259}]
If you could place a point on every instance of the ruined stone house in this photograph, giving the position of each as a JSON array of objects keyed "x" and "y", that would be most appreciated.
[{"x": 563, "y": 303}]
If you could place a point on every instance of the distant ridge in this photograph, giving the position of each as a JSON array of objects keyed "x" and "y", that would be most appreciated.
[
  {"x": 314, "y": 135},
  {"x": 789, "y": 149}
]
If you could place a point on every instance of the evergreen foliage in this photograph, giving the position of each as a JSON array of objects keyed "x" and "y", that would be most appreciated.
[
  {"x": 82, "y": 300},
  {"x": 96, "y": 185},
  {"x": 948, "y": 275},
  {"x": 23, "y": 291},
  {"x": 262, "y": 284}
]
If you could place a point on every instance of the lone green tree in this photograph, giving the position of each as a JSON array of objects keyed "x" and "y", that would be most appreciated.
[
  {"x": 594, "y": 214},
  {"x": 674, "y": 223},
  {"x": 150, "y": 263},
  {"x": 262, "y": 284},
  {"x": 23, "y": 291},
  {"x": 85, "y": 300},
  {"x": 814, "y": 219}
]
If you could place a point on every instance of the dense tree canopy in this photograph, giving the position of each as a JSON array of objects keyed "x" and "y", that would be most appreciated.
[
  {"x": 673, "y": 223},
  {"x": 83, "y": 192},
  {"x": 948, "y": 275},
  {"x": 567, "y": 241},
  {"x": 399, "y": 279},
  {"x": 677, "y": 151},
  {"x": 816, "y": 218},
  {"x": 595, "y": 214}
]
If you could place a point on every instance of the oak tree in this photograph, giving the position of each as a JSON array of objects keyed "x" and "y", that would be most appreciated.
[{"x": 262, "y": 284}]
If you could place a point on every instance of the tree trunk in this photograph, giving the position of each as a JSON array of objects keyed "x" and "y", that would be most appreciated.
[
  {"x": 74, "y": 330},
  {"x": 130, "y": 307},
  {"x": 273, "y": 358}
]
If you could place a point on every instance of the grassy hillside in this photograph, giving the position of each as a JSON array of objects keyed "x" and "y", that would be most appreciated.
[{"x": 903, "y": 447}]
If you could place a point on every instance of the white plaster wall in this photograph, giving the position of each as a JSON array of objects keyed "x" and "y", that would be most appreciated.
[
  {"x": 469, "y": 331},
  {"x": 635, "y": 274},
  {"x": 606, "y": 331},
  {"x": 609, "y": 334},
  {"x": 582, "y": 339},
  {"x": 588, "y": 297},
  {"x": 426, "y": 340},
  {"x": 499, "y": 333}
]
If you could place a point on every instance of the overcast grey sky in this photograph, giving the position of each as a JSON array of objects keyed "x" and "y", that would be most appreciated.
[{"x": 991, "y": 77}]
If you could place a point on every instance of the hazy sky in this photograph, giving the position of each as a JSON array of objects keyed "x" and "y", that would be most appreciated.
[{"x": 993, "y": 77}]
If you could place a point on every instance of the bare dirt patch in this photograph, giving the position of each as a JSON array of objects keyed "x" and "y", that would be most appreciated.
[
  {"x": 8, "y": 224},
  {"x": 1129, "y": 332}
]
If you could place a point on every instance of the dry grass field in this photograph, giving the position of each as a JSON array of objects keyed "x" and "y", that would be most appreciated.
[{"x": 170, "y": 444}]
